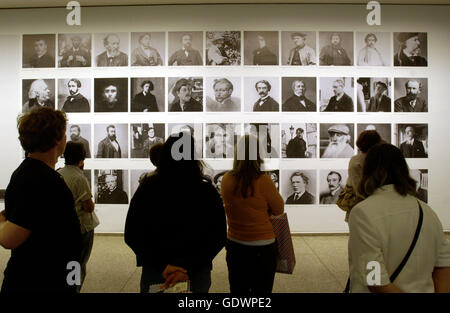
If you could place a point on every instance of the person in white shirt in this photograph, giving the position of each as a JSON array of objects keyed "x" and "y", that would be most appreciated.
[{"x": 382, "y": 228}]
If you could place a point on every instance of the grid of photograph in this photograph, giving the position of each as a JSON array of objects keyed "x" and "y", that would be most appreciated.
[{"x": 294, "y": 117}]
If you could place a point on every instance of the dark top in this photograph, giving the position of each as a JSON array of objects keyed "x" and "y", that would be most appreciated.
[
  {"x": 81, "y": 52},
  {"x": 384, "y": 105},
  {"x": 104, "y": 106},
  {"x": 107, "y": 150},
  {"x": 191, "y": 106},
  {"x": 306, "y": 198},
  {"x": 263, "y": 56},
  {"x": 403, "y": 105},
  {"x": 184, "y": 227},
  {"x": 179, "y": 56},
  {"x": 44, "y": 61},
  {"x": 296, "y": 148},
  {"x": 416, "y": 150},
  {"x": 77, "y": 103},
  {"x": 142, "y": 102},
  {"x": 400, "y": 59},
  {"x": 345, "y": 104},
  {"x": 117, "y": 196},
  {"x": 293, "y": 104},
  {"x": 85, "y": 144},
  {"x": 268, "y": 105},
  {"x": 334, "y": 55},
  {"x": 38, "y": 199},
  {"x": 119, "y": 60}
]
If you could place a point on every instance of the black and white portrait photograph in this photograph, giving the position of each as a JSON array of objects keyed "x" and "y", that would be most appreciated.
[
  {"x": 373, "y": 48},
  {"x": 298, "y": 48},
  {"x": 261, "y": 48},
  {"x": 111, "y": 94},
  {"x": 412, "y": 140},
  {"x": 421, "y": 177},
  {"x": 299, "y": 186},
  {"x": 384, "y": 130},
  {"x": 299, "y": 140},
  {"x": 148, "y": 48},
  {"x": 143, "y": 137},
  {"x": 111, "y": 141},
  {"x": 336, "y": 48},
  {"x": 336, "y": 94},
  {"x": 332, "y": 182},
  {"x": 74, "y": 50},
  {"x": 185, "y": 48},
  {"x": 275, "y": 176},
  {"x": 223, "y": 48},
  {"x": 298, "y": 94},
  {"x": 185, "y": 94},
  {"x": 111, "y": 49},
  {"x": 136, "y": 176},
  {"x": 268, "y": 135},
  {"x": 262, "y": 94},
  {"x": 38, "y": 51},
  {"x": 336, "y": 140},
  {"x": 147, "y": 94},
  {"x": 223, "y": 94},
  {"x": 38, "y": 92},
  {"x": 111, "y": 186},
  {"x": 220, "y": 139},
  {"x": 411, "y": 94},
  {"x": 195, "y": 130},
  {"x": 374, "y": 94},
  {"x": 410, "y": 49},
  {"x": 74, "y": 95},
  {"x": 80, "y": 133}
]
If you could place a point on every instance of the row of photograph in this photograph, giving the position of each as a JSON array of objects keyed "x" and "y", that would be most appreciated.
[
  {"x": 217, "y": 140},
  {"x": 297, "y": 186},
  {"x": 228, "y": 94},
  {"x": 225, "y": 48}
]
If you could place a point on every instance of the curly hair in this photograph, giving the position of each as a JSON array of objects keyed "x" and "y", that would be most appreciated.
[{"x": 41, "y": 128}]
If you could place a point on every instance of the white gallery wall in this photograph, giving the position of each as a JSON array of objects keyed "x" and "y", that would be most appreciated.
[{"x": 316, "y": 218}]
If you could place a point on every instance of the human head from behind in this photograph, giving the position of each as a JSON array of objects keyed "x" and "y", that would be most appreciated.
[
  {"x": 223, "y": 89},
  {"x": 367, "y": 139},
  {"x": 42, "y": 130},
  {"x": 40, "y": 47},
  {"x": 74, "y": 154},
  {"x": 39, "y": 90},
  {"x": 155, "y": 153},
  {"x": 299, "y": 181},
  {"x": 247, "y": 164},
  {"x": 377, "y": 172}
]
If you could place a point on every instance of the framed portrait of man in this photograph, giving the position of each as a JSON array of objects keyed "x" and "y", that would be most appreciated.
[
  {"x": 412, "y": 139},
  {"x": 111, "y": 186},
  {"x": 185, "y": 48},
  {"x": 298, "y": 94},
  {"x": 298, "y": 187},
  {"x": 80, "y": 133},
  {"x": 38, "y": 92},
  {"x": 193, "y": 129},
  {"x": 336, "y": 48},
  {"x": 411, "y": 49},
  {"x": 111, "y": 49},
  {"x": 148, "y": 48},
  {"x": 74, "y": 95},
  {"x": 298, "y": 48},
  {"x": 38, "y": 51},
  {"x": 223, "y": 48},
  {"x": 185, "y": 94},
  {"x": 222, "y": 94},
  {"x": 298, "y": 140},
  {"x": 147, "y": 94},
  {"x": 336, "y": 94},
  {"x": 261, "y": 48},
  {"x": 143, "y": 136},
  {"x": 220, "y": 139},
  {"x": 336, "y": 140},
  {"x": 261, "y": 94},
  {"x": 411, "y": 95},
  {"x": 374, "y": 94},
  {"x": 111, "y": 141},
  {"x": 373, "y": 48},
  {"x": 74, "y": 50},
  {"x": 268, "y": 135},
  {"x": 111, "y": 94},
  {"x": 331, "y": 183}
]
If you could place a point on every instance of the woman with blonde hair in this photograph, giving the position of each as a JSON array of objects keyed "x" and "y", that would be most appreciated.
[{"x": 250, "y": 198}]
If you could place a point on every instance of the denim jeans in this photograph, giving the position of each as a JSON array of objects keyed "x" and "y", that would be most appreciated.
[
  {"x": 200, "y": 279},
  {"x": 251, "y": 269}
]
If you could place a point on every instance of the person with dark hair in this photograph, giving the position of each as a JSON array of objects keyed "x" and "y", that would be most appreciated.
[
  {"x": 334, "y": 180},
  {"x": 77, "y": 55},
  {"x": 301, "y": 54},
  {"x": 154, "y": 156},
  {"x": 265, "y": 103},
  {"x": 41, "y": 56},
  {"x": 408, "y": 53},
  {"x": 369, "y": 54},
  {"x": 366, "y": 140},
  {"x": 39, "y": 224},
  {"x": 334, "y": 53},
  {"x": 263, "y": 55},
  {"x": 186, "y": 55},
  {"x": 145, "y": 54},
  {"x": 75, "y": 136},
  {"x": 112, "y": 56},
  {"x": 151, "y": 140},
  {"x": 75, "y": 102},
  {"x": 412, "y": 102},
  {"x": 109, "y": 147},
  {"x": 411, "y": 147},
  {"x": 110, "y": 99},
  {"x": 145, "y": 101},
  {"x": 184, "y": 102},
  {"x": 296, "y": 147},
  {"x": 299, "y": 181},
  {"x": 379, "y": 102},
  {"x": 176, "y": 236},
  {"x": 72, "y": 172},
  {"x": 382, "y": 228},
  {"x": 218, "y": 181},
  {"x": 250, "y": 197}
]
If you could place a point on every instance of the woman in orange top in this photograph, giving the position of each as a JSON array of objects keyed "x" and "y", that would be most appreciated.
[{"x": 250, "y": 197}]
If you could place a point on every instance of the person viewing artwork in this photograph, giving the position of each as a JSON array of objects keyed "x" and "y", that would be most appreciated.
[
  {"x": 73, "y": 175},
  {"x": 39, "y": 224},
  {"x": 383, "y": 226},
  {"x": 195, "y": 217},
  {"x": 250, "y": 197}
]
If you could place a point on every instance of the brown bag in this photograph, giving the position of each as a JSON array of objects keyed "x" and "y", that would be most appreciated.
[{"x": 348, "y": 199}]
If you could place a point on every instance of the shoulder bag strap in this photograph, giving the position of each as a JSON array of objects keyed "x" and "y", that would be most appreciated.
[{"x": 411, "y": 248}]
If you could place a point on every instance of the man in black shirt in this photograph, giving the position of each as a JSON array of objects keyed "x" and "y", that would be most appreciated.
[
  {"x": 340, "y": 102},
  {"x": 296, "y": 148},
  {"x": 39, "y": 223},
  {"x": 145, "y": 101}
]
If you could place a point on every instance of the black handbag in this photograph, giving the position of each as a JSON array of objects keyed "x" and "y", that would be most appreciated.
[{"x": 405, "y": 259}]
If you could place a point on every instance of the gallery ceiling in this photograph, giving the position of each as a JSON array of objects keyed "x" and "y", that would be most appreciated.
[{"x": 63, "y": 3}]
